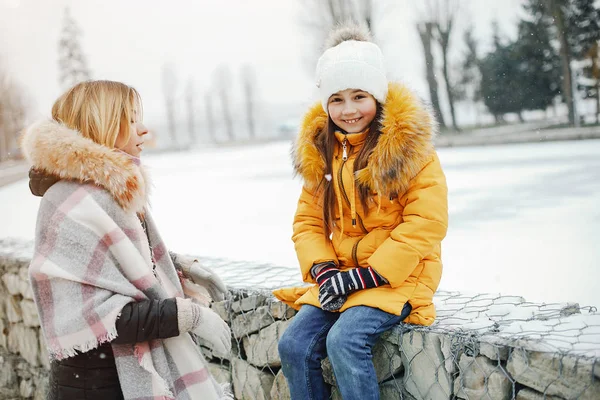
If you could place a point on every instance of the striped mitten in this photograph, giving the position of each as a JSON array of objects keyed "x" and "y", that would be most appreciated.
[
  {"x": 330, "y": 302},
  {"x": 322, "y": 272},
  {"x": 345, "y": 282}
]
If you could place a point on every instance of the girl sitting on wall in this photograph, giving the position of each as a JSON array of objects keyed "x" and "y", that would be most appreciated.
[{"x": 369, "y": 223}]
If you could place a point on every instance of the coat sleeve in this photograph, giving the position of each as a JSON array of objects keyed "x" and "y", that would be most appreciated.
[
  {"x": 425, "y": 222},
  {"x": 309, "y": 240},
  {"x": 147, "y": 320}
]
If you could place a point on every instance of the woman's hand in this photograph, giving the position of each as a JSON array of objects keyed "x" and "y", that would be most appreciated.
[
  {"x": 205, "y": 277},
  {"x": 212, "y": 329},
  {"x": 200, "y": 275}
]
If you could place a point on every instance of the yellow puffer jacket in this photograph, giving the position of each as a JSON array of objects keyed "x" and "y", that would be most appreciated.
[{"x": 400, "y": 236}]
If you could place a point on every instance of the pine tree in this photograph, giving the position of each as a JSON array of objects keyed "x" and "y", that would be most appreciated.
[
  {"x": 498, "y": 86},
  {"x": 538, "y": 66},
  {"x": 521, "y": 75},
  {"x": 72, "y": 63},
  {"x": 575, "y": 25},
  {"x": 555, "y": 15},
  {"x": 583, "y": 21}
]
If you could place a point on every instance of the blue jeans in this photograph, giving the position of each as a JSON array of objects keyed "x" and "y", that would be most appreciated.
[{"x": 346, "y": 338}]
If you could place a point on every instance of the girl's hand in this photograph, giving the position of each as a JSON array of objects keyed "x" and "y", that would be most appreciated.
[
  {"x": 330, "y": 302},
  {"x": 323, "y": 271},
  {"x": 346, "y": 282}
]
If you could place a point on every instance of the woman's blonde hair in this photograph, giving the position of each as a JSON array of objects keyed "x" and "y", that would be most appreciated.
[{"x": 99, "y": 110}]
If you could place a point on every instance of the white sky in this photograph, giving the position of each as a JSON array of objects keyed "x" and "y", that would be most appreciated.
[{"x": 131, "y": 40}]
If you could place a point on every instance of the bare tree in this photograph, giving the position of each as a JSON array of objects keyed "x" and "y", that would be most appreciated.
[
  {"x": 320, "y": 16},
  {"x": 469, "y": 83},
  {"x": 169, "y": 84},
  {"x": 441, "y": 14},
  {"x": 210, "y": 118},
  {"x": 191, "y": 112},
  {"x": 447, "y": 12},
  {"x": 71, "y": 60},
  {"x": 249, "y": 87},
  {"x": 222, "y": 81},
  {"x": 12, "y": 114},
  {"x": 555, "y": 9},
  {"x": 426, "y": 34}
]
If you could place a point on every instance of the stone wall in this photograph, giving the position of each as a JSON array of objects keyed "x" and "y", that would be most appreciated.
[
  {"x": 482, "y": 346},
  {"x": 23, "y": 357}
]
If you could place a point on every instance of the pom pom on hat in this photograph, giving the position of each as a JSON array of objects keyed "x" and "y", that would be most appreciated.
[
  {"x": 348, "y": 31},
  {"x": 351, "y": 61}
]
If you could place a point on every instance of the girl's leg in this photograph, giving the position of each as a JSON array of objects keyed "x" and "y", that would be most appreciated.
[
  {"x": 301, "y": 348},
  {"x": 349, "y": 345}
]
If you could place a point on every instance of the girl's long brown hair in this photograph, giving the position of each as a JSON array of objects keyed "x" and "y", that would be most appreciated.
[{"x": 325, "y": 142}]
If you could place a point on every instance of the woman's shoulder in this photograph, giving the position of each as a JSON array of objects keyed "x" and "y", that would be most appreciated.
[
  {"x": 68, "y": 194},
  {"x": 82, "y": 203}
]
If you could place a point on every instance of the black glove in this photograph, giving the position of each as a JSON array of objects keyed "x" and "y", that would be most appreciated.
[
  {"x": 345, "y": 282},
  {"x": 330, "y": 302},
  {"x": 322, "y": 272}
]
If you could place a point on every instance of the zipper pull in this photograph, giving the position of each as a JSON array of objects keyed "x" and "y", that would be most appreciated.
[{"x": 344, "y": 150}]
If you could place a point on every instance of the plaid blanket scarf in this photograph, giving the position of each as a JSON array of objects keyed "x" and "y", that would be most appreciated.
[{"x": 92, "y": 257}]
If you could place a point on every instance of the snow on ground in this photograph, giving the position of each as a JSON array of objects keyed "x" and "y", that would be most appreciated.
[{"x": 524, "y": 219}]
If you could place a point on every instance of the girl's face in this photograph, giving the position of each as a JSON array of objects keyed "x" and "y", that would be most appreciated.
[
  {"x": 135, "y": 145},
  {"x": 352, "y": 110}
]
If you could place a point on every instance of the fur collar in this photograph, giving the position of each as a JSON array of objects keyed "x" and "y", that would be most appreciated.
[
  {"x": 403, "y": 149},
  {"x": 54, "y": 149}
]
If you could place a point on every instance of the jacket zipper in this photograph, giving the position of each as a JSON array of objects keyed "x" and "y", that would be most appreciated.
[
  {"x": 355, "y": 251},
  {"x": 345, "y": 195},
  {"x": 341, "y": 180}
]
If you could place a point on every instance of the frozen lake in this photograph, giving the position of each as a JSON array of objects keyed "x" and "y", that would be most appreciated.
[{"x": 524, "y": 219}]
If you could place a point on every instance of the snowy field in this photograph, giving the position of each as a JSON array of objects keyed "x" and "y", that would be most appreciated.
[{"x": 524, "y": 219}]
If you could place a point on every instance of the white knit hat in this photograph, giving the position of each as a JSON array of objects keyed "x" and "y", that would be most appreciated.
[{"x": 352, "y": 63}]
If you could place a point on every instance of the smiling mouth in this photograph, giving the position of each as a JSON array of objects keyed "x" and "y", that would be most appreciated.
[
  {"x": 140, "y": 146},
  {"x": 352, "y": 121}
]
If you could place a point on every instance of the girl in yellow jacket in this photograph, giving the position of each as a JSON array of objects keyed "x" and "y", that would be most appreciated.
[{"x": 369, "y": 224}]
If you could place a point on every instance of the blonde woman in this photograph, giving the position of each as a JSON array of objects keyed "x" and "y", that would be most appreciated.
[{"x": 109, "y": 296}]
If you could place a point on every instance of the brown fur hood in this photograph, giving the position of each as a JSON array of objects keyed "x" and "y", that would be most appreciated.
[
  {"x": 403, "y": 149},
  {"x": 54, "y": 149}
]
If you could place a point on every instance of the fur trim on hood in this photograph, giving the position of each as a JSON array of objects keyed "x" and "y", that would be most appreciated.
[
  {"x": 403, "y": 149},
  {"x": 57, "y": 150}
]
